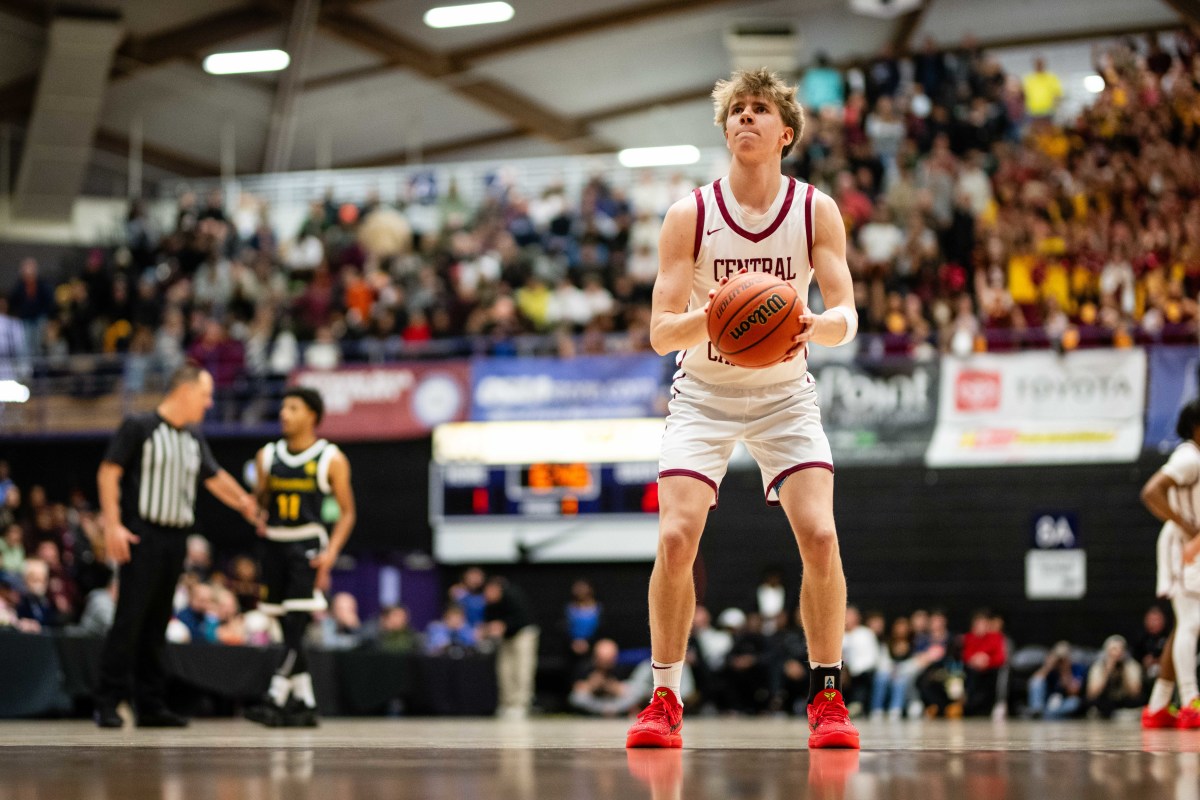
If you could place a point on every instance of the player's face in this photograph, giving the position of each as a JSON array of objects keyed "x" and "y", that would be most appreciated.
[
  {"x": 295, "y": 417},
  {"x": 754, "y": 127}
]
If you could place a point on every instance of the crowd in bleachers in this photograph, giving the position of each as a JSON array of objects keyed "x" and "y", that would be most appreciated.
[{"x": 977, "y": 219}]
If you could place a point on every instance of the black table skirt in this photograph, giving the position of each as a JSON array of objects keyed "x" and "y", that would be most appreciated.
[{"x": 45, "y": 674}]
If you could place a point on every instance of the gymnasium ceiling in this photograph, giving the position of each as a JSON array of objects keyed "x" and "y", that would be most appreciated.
[{"x": 377, "y": 87}]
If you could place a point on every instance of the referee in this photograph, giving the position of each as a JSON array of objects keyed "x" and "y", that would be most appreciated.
[{"x": 147, "y": 483}]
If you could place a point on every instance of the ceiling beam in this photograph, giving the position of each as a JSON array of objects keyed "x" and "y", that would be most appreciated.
[
  {"x": 649, "y": 103},
  {"x": 522, "y": 111},
  {"x": 136, "y": 54},
  {"x": 461, "y": 60},
  {"x": 192, "y": 38},
  {"x": 583, "y": 26},
  {"x": 183, "y": 165},
  {"x": 1188, "y": 9},
  {"x": 28, "y": 10},
  {"x": 281, "y": 131},
  {"x": 906, "y": 26}
]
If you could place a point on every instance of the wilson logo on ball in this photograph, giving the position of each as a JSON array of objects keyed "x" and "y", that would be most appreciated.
[{"x": 759, "y": 316}]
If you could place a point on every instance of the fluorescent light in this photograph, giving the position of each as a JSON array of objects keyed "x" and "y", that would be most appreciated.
[
  {"x": 472, "y": 14},
  {"x": 247, "y": 61},
  {"x": 658, "y": 156},
  {"x": 13, "y": 392},
  {"x": 1094, "y": 84}
]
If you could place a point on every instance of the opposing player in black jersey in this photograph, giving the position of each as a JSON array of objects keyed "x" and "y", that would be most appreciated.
[{"x": 295, "y": 475}]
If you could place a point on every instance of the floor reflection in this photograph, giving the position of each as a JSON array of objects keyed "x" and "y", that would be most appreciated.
[{"x": 349, "y": 773}]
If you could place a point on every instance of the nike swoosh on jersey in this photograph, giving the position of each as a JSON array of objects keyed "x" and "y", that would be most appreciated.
[{"x": 714, "y": 230}]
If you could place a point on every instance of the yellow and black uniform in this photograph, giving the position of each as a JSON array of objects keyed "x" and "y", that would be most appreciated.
[{"x": 296, "y": 487}]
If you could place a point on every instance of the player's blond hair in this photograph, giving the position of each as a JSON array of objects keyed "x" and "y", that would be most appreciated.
[{"x": 767, "y": 85}]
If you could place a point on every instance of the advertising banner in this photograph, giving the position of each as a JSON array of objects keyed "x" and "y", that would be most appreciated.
[
  {"x": 1173, "y": 377},
  {"x": 879, "y": 412},
  {"x": 1040, "y": 408},
  {"x": 396, "y": 401},
  {"x": 587, "y": 387}
]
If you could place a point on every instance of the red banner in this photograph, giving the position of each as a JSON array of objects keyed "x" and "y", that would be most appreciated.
[{"x": 396, "y": 401}]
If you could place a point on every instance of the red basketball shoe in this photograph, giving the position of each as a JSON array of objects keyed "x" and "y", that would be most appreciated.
[
  {"x": 830, "y": 723},
  {"x": 1163, "y": 718},
  {"x": 1189, "y": 715},
  {"x": 660, "y": 724}
]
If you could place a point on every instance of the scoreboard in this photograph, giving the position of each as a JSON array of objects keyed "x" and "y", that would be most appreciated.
[{"x": 581, "y": 490}]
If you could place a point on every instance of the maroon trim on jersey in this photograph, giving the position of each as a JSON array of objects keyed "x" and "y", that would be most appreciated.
[
  {"x": 808, "y": 221},
  {"x": 688, "y": 473},
  {"x": 745, "y": 234},
  {"x": 699, "y": 224},
  {"x": 806, "y": 465}
]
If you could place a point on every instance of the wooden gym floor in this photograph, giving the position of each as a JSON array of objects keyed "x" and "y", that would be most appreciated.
[{"x": 578, "y": 759}]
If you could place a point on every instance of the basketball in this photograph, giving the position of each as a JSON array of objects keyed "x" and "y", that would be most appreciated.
[{"x": 752, "y": 319}]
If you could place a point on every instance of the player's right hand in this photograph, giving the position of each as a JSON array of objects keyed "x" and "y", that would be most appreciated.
[
  {"x": 117, "y": 539},
  {"x": 713, "y": 293}
]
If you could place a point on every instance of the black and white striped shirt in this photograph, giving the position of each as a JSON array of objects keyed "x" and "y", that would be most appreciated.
[{"x": 161, "y": 466}]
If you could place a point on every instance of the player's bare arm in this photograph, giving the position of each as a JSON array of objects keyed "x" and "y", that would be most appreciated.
[
  {"x": 1156, "y": 498},
  {"x": 673, "y": 326},
  {"x": 343, "y": 493},
  {"x": 838, "y": 323}
]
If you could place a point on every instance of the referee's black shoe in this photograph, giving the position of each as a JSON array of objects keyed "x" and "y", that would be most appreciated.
[
  {"x": 106, "y": 716},
  {"x": 161, "y": 718},
  {"x": 299, "y": 715},
  {"x": 266, "y": 713}
]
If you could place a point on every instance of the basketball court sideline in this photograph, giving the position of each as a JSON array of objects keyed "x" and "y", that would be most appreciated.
[{"x": 569, "y": 758}]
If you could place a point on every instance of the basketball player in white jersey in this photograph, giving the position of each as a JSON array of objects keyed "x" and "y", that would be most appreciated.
[
  {"x": 759, "y": 220},
  {"x": 1173, "y": 495}
]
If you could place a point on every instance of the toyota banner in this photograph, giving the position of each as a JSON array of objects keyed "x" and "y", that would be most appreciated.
[{"x": 1040, "y": 408}]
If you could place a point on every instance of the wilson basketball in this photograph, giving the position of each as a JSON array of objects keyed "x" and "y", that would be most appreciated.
[{"x": 752, "y": 319}]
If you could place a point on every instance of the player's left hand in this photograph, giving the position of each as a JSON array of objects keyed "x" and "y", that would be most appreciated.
[
  {"x": 323, "y": 562},
  {"x": 808, "y": 324}
]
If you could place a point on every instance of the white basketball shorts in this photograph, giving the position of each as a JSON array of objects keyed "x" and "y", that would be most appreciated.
[
  {"x": 780, "y": 425},
  {"x": 1175, "y": 579}
]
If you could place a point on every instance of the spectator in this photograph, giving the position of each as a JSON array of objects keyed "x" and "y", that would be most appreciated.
[
  {"x": 231, "y": 626},
  {"x": 787, "y": 653},
  {"x": 199, "y": 617},
  {"x": 468, "y": 593},
  {"x": 1056, "y": 689},
  {"x": 341, "y": 628},
  {"x": 197, "y": 561},
  {"x": 12, "y": 549},
  {"x": 32, "y": 302},
  {"x": 983, "y": 656},
  {"x": 898, "y": 664},
  {"x": 1043, "y": 91},
  {"x": 243, "y": 582},
  {"x": 35, "y": 603},
  {"x": 1148, "y": 646},
  {"x": 746, "y": 668},
  {"x": 450, "y": 634},
  {"x": 509, "y": 624},
  {"x": 1114, "y": 680},
  {"x": 582, "y": 617},
  {"x": 822, "y": 86},
  {"x": 861, "y": 650},
  {"x": 770, "y": 598},
  {"x": 395, "y": 635},
  {"x": 597, "y": 689},
  {"x": 99, "y": 610}
]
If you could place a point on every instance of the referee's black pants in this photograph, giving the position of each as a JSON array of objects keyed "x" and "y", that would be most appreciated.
[{"x": 131, "y": 667}]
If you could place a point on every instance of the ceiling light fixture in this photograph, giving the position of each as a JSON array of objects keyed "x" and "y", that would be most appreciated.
[
  {"x": 13, "y": 392},
  {"x": 659, "y": 156},
  {"x": 1094, "y": 84},
  {"x": 472, "y": 14},
  {"x": 246, "y": 61}
]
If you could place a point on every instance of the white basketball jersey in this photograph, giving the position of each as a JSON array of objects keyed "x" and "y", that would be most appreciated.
[{"x": 729, "y": 240}]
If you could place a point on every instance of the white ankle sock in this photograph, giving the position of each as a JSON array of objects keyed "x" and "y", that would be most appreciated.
[
  {"x": 281, "y": 687},
  {"x": 668, "y": 675},
  {"x": 302, "y": 688},
  {"x": 1160, "y": 695}
]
